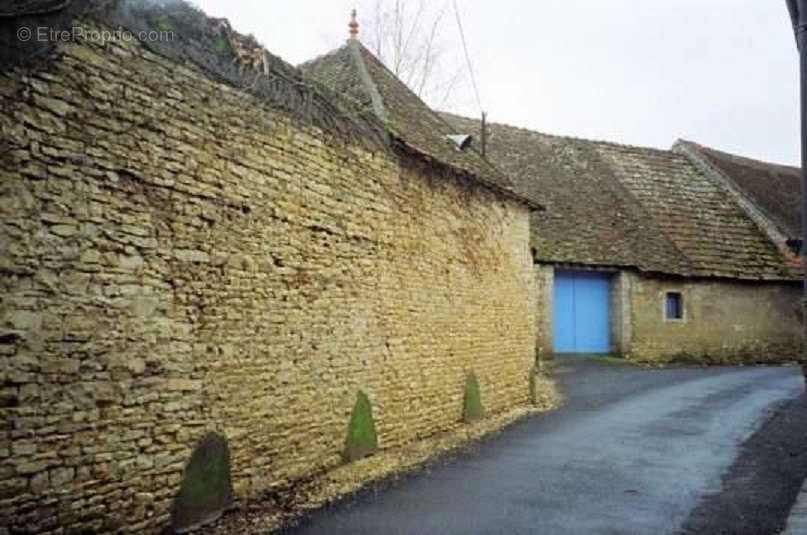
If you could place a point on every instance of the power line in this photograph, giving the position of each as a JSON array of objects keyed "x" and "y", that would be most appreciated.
[{"x": 467, "y": 57}]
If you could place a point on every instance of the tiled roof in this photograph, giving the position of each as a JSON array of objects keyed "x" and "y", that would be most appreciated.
[
  {"x": 773, "y": 188},
  {"x": 618, "y": 205},
  {"x": 354, "y": 71}
]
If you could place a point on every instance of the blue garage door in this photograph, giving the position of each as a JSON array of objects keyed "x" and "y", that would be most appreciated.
[{"x": 580, "y": 320}]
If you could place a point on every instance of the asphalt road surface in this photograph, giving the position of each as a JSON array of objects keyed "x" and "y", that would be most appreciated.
[{"x": 631, "y": 452}]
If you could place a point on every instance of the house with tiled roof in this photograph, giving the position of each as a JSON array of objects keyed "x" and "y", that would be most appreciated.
[{"x": 641, "y": 252}]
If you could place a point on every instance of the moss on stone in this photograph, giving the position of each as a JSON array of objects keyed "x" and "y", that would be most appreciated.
[
  {"x": 164, "y": 24},
  {"x": 206, "y": 490},
  {"x": 361, "y": 439},
  {"x": 472, "y": 404},
  {"x": 221, "y": 45}
]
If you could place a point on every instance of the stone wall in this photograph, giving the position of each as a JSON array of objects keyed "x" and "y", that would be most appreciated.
[
  {"x": 621, "y": 321},
  {"x": 724, "y": 321},
  {"x": 178, "y": 258},
  {"x": 544, "y": 287}
]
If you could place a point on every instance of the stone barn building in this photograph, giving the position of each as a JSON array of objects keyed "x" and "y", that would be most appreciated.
[
  {"x": 196, "y": 239},
  {"x": 653, "y": 255}
]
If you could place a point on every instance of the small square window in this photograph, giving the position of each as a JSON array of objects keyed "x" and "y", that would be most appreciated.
[{"x": 674, "y": 309}]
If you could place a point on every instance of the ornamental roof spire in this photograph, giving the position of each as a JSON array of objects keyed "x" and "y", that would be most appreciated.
[{"x": 353, "y": 26}]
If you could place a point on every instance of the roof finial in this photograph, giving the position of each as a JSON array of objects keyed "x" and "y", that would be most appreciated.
[{"x": 354, "y": 25}]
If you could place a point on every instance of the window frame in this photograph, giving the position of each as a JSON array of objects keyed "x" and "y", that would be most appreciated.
[{"x": 665, "y": 303}]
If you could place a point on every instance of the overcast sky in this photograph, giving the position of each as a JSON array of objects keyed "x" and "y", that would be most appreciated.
[{"x": 723, "y": 73}]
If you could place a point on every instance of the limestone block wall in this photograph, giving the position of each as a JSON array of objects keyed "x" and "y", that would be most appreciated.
[
  {"x": 620, "y": 313},
  {"x": 177, "y": 258},
  {"x": 724, "y": 321},
  {"x": 544, "y": 291}
]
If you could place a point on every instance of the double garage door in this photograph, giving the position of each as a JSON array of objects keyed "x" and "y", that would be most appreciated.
[{"x": 580, "y": 313}]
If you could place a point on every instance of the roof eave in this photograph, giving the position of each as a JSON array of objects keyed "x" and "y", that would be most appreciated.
[{"x": 432, "y": 159}]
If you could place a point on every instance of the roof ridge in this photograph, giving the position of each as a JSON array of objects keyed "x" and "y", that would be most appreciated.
[
  {"x": 724, "y": 193},
  {"x": 733, "y": 156},
  {"x": 409, "y": 122},
  {"x": 561, "y": 136},
  {"x": 362, "y": 51},
  {"x": 302, "y": 66},
  {"x": 769, "y": 226},
  {"x": 355, "y": 49}
]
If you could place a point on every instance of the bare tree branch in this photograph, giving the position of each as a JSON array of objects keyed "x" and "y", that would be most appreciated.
[
  {"x": 407, "y": 36},
  {"x": 429, "y": 58},
  {"x": 449, "y": 88}
]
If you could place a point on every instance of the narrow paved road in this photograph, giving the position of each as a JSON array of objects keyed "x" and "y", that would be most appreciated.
[{"x": 631, "y": 452}]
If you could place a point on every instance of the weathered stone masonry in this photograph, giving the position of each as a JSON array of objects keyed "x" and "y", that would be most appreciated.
[
  {"x": 724, "y": 321},
  {"x": 176, "y": 258}
]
